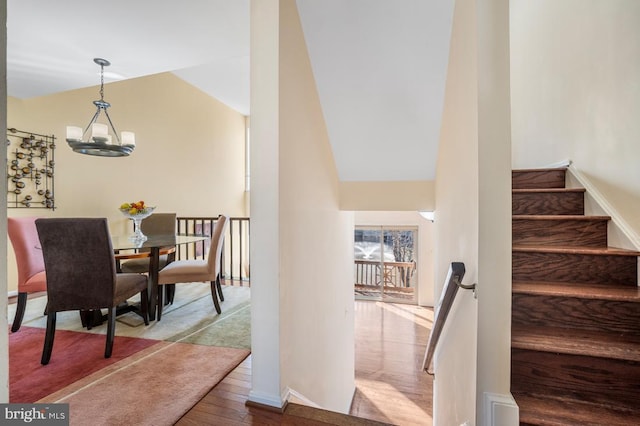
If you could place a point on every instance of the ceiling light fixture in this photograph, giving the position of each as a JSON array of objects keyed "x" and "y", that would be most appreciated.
[
  {"x": 430, "y": 215},
  {"x": 100, "y": 142}
]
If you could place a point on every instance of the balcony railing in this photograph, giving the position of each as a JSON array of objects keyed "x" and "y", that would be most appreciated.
[
  {"x": 235, "y": 262},
  {"x": 235, "y": 254},
  {"x": 387, "y": 274}
]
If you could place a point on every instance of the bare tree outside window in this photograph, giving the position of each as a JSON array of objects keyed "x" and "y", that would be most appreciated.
[{"x": 385, "y": 263}]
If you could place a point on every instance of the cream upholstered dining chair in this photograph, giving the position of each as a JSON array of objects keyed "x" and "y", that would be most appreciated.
[
  {"x": 198, "y": 270},
  {"x": 81, "y": 274},
  {"x": 31, "y": 276}
]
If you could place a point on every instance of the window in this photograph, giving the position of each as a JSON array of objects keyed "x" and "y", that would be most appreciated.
[{"x": 385, "y": 263}]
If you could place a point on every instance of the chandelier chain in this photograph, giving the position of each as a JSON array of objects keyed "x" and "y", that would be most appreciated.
[{"x": 101, "y": 82}]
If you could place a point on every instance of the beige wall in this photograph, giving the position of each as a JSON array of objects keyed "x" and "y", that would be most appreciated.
[
  {"x": 388, "y": 196},
  {"x": 473, "y": 204},
  {"x": 302, "y": 335},
  {"x": 457, "y": 223},
  {"x": 494, "y": 216},
  {"x": 189, "y": 157},
  {"x": 317, "y": 238},
  {"x": 575, "y": 93}
]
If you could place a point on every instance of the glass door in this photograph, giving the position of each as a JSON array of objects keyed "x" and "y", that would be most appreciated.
[{"x": 385, "y": 264}]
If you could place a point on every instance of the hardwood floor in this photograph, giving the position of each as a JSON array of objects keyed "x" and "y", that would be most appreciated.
[{"x": 390, "y": 385}]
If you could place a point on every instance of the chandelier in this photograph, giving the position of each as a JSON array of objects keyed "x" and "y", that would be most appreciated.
[{"x": 100, "y": 140}]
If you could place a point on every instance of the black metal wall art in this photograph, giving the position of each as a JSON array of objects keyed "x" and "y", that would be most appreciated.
[{"x": 30, "y": 167}]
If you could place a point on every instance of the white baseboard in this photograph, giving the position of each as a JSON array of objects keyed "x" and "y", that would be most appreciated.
[
  {"x": 12, "y": 293},
  {"x": 295, "y": 396},
  {"x": 267, "y": 399},
  {"x": 500, "y": 410},
  {"x": 559, "y": 164}
]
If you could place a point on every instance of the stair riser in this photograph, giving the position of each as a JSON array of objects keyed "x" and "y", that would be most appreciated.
[
  {"x": 597, "y": 385},
  {"x": 537, "y": 410},
  {"x": 565, "y": 232},
  {"x": 601, "y": 381},
  {"x": 534, "y": 179},
  {"x": 579, "y": 268},
  {"x": 581, "y": 314},
  {"x": 548, "y": 203}
]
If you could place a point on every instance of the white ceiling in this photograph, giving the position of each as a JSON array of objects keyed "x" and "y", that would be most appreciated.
[
  {"x": 379, "y": 65},
  {"x": 380, "y": 69}
]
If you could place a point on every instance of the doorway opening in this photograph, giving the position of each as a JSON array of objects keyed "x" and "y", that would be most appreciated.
[{"x": 385, "y": 263}]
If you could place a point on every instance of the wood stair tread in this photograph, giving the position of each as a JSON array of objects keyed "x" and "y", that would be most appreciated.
[
  {"x": 575, "y": 333},
  {"x": 622, "y": 346},
  {"x": 559, "y": 217},
  {"x": 299, "y": 414},
  {"x": 542, "y": 410},
  {"x": 629, "y": 293},
  {"x": 544, "y": 169},
  {"x": 542, "y": 190},
  {"x": 603, "y": 251}
]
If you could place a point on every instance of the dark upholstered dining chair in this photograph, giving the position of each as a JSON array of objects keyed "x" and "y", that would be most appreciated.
[
  {"x": 198, "y": 270},
  {"x": 81, "y": 274},
  {"x": 31, "y": 276}
]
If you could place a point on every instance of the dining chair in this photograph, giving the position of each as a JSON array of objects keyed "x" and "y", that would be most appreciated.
[
  {"x": 198, "y": 270},
  {"x": 81, "y": 274},
  {"x": 30, "y": 264},
  {"x": 158, "y": 224}
]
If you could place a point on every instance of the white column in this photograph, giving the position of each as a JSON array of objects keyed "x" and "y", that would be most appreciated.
[{"x": 265, "y": 245}]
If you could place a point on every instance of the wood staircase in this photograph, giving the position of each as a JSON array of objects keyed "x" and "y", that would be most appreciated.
[{"x": 575, "y": 310}]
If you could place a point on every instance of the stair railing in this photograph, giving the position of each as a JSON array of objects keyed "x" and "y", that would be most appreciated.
[{"x": 453, "y": 282}]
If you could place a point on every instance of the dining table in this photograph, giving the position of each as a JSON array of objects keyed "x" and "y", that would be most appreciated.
[{"x": 154, "y": 244}]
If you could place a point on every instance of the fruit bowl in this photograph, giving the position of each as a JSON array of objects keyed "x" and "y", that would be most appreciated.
[{"x": 136, "y": 212}]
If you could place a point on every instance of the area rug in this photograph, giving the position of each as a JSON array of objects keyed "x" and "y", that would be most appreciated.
[
  {"x": 231, "y": 330},
  {"x": 156, "y": 373},
  {"x": 75, "y": 355},
  {"x": 155, "y": 389},
  {"x": 191, "y": 309}
]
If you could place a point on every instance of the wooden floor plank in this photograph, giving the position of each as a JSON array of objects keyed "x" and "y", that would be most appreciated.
[{"x": 390, "y": 386}]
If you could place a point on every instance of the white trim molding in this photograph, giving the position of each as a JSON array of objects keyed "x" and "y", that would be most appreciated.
[
  {"x": 500, "y": 410},
  {"x": 617, "y": 220},
  {"x": 558, "y": 165},
  {"x": 268, "y": 400},
  {"x": 295, "y": 396}
]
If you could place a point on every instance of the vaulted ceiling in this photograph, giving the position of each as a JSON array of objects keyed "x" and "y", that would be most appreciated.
[{"x": 379, "y": 65}]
